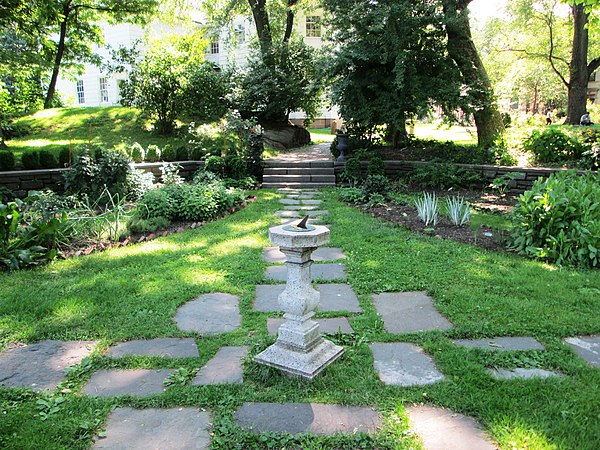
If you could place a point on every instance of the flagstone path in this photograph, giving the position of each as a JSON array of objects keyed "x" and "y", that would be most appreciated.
[{"x": 41, "y": 365}]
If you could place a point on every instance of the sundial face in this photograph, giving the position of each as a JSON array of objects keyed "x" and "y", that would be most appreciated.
[{"x": 298, "y": 229}]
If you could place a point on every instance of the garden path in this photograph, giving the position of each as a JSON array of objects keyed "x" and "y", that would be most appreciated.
[{"x": 315, "y": 152}]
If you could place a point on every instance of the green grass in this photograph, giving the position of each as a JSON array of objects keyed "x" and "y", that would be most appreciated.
[
  {"x": 318, "y": 135},
  {"x": 55, "y": 129},
  {"x": 457, "y": 134},
  {"x": 133, "y": 292}
]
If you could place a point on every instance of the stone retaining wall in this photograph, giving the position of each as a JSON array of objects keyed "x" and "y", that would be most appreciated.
[
  {"x": 524, "y": 180},
  {"x": 22, "y": 181}
]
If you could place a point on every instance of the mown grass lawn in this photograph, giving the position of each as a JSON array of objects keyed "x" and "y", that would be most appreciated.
[
  {"x": 55, "y": 129},
  {"x": 133, "y": 292}
]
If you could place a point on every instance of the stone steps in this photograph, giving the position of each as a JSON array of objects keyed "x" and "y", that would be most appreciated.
[{"x": 298, "y": 174}]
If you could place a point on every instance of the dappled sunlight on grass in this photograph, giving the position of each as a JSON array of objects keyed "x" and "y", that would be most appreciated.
[
  {"x": 516, "y": 435},
  {"x": 232, "y": 246}
]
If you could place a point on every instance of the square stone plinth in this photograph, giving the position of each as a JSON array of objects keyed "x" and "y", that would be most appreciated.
[
  {"x": 274, "y": 255},
  {"x": 41, "y": 365},
  {"x": 586, "y": 347},
  {"x": 409, "y": 312},
  {"x": 315, "y": 418},
  {"x": 304, "y": 364},
  {"x": 334, "y": 297},
  {"x": 521, "y": 373},
  {"x": 325, "y": 272},
  {"x": 224, "y": 368},
  {"x": 135, "y": 382},
  {"x": 154, "y": 429},
  {"x": 442, "y": 429},
  {"x": 210, "y": 314},
  {"x": 501, "y": 343},
  {"x": 164, "y": 347},
  {"x": 402, "y": 364},
  {"x": 326, "y": 326}
]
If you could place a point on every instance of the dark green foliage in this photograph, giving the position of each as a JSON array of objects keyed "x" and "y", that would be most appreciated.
[
  {"x": 64, "y": 157},
  {"x": 7, "y": 160},
  {"x": 506, "y": 120},
  {"x": 149, "y": 225},
  {"x": 47, "y": 160},
  {"x": 6, "y": 195},
  {"x": 376, "y": 184},
  {"x": 207, "y": 91},
  {"x": 552, "y": 146},
  {"x": 376, "y": 166},
  {"x": 558, "y": 220},
  {"x": 352, "y": 172},
  {"x": 445, "y": 175},
  {"x": 168, "y": 153},
  {"x": 280, "y": 80},
  {"x": 136, "y": 152},
  {"x": 157, "y": 203},
  {"x": 234, "y": 167},
  {"x": 215, "y": 164},
  {"x": 352, "y": 195},
  {"x": 253, "y": 155},
  {"x": 153, "y": 153},
  {"x": 181, "y": 153},
  {"x": 31, "y": 160},
  {"x": 449, "y": 151},
  {"x": 204, "y": 176}
]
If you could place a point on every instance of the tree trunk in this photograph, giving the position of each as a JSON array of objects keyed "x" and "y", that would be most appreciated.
[
  {"x": 261, "y": 21},
  {"x": 578, "y": 71},
  {"x": 462, "y": 50},
  {"x": 60, "y": 50}
]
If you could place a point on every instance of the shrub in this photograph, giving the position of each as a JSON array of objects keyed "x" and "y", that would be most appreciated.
[
  {"x": 170, "y": 173},
  {"x": 136, "y": 152},
  {"x": 150, "y": 225},
  {"x": 47, "y": 160},
  {"x": 64, "y": 157},
  {"x": 376, "y": 184},
  {"x": 6, "y": 194},
  {"x": 352, "y": 173},
  {"x": 215, "y": 164},
  {"x": 202, "y": 176},
  {"x": 558, "y": 220},
  {"x": 446, "y": 175},
  {"x": 376, "y": 166},
  {"x": 7, "y": 160},
  {"x": 552, "y": 146},
  {"x": 253, "y": 155},
  {"x": 168, "y": 153},
  {"x": 138, "y": 183},
  {"x": 181, "y": 153},
  {"x": 352, "y": 195},
  {"x": 30, "y": 160},
  {"x": 234, "y": 167},
  {"x": 153, "y": 153},
  {"x": 157, "y": 203}
]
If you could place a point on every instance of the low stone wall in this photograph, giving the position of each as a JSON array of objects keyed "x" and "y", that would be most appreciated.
[
  {"x": 522, "y": 182},
  {"x": 22, "y": 181}
]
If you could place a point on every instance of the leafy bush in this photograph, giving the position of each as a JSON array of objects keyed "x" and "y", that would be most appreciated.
[
  {"x": 450, "y": 152},
  {"x": 253, "y": 155},
  {"x": 352, "y": 195},
  {"x": 6, "y": 194},
  {"x": 245, "y": 183},
  {"x": 215, "y": 164},
  {"x": 445, "y": 175},
  {"x": 153, "y": 153},
  {"x": 170, "y": 173},
  {"x": 7, "y": 160},
  {"x": 590, "y": 159},
  {"x": 551, "y": 145},
  {"x": 138, "y": 183},
  {"x": 168, "y": 153},
  {"x": 375, "y": 184},
  {"x": 352, "y": 173},
  {"x": 181, "y": 153},
  {"x": 47, "y": 160},
  {"x": 558, "y": 220},
  {"x": 30, "y": 160},
  {"x": 136, "y": 152},
  {"x": 234, "y": 167},
  {"x": 149, "y": 225},
  {"x": 376, "y": 166},
  {"x": 203, "y": 176},
  {"x": 157, "y": 203},
  {"x": 64, "y": 157}
]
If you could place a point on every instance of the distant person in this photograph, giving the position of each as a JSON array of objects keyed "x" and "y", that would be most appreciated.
[
  {"x": 586, "y": 120},
  {"x": 549, "y": 118}
]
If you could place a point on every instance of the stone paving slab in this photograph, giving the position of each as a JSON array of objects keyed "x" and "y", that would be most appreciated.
[
  {"x": 325, "y": 272},
  {"x": 210, "y": 314},
  {"x": 409, "y": 312},
  {"x": 403, "y": 364},
  {"x": 315, "y": 418},
  {"x": 41, "y": 365},
  {"x": 334, "y": 297},
  {"x": 289, "y": 201},
  {"x": 165, "y": 347},
  {"x": 326, "y": 326},
  {"x": 521, "y": 373},
  {"x": 300, "y": 207},
  {"x": 501, "y": 343},
  {"x": 442, "y": 429},
  {"x": 224, "y": 368},
  {"x": 156, "y": 429},
  {"x": 136, "y": 382},
  {"x": 274, "y": 255},
  {"x": 314, "y": 213},
  {"x": 311, "y": 202},
  {"x": 586, "y": 347}
]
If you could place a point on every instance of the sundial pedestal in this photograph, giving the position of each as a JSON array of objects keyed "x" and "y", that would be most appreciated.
[{"x": 300, "y": 349}]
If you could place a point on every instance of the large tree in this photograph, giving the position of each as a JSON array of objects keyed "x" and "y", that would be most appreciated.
[{"x": 463, "y": 51}]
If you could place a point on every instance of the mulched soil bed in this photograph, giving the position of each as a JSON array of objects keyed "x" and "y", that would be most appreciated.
[
  {"x": 485, "y": 236},
  {"x": 85, "y": 248}
]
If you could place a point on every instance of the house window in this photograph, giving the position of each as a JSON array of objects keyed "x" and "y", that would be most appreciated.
[
  {"x": 240, "y": 33},
  {"x": 214, "y": 47},
  {"x": 80, "y": 92},
  {"x": 104, "y": 90},
  {"x": 313, "y": 26}
]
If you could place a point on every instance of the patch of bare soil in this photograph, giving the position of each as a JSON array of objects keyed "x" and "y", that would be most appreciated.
[{"x": 484, "y": 236}]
